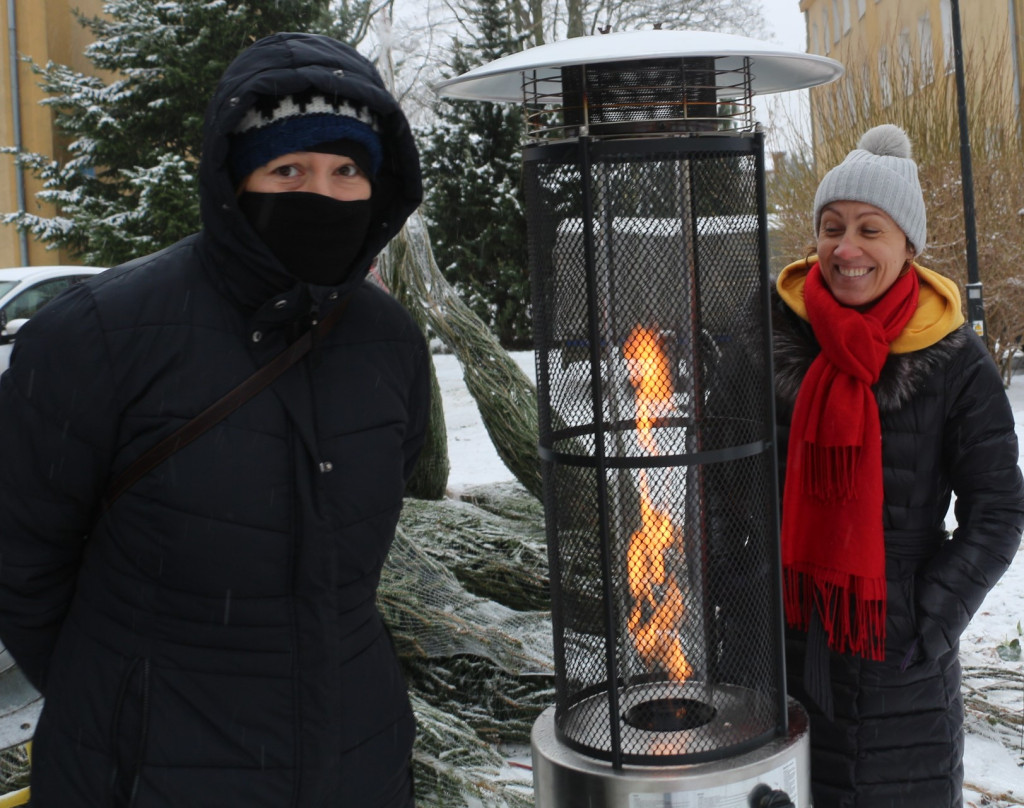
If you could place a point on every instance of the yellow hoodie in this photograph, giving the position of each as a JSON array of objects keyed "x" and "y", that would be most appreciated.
[{"x": 938, "y": 310}]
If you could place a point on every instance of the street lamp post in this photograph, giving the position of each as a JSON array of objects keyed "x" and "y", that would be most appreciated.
[{"x": 975, "y": 301}]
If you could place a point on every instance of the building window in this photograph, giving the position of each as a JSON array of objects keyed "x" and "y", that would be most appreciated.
[
  {"x": 946, "y": 9},
  {"x": 846, "y": 15},
  {"x": 906, "y": 63},
  {"x": 884, "y": 83},
  {"x": 838, "y": 97},
  {"x": 816, "y": 39},
  {"x": 836, "y": 20},
  {"x": 825, "y": 29},
  {"x": 865, "y": 89},
  {"x": 862, "y": 7},
  {"x": 924, "y": 40}
]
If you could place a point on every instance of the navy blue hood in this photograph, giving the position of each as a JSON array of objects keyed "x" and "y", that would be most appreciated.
[{"x": 283, "y": 64}]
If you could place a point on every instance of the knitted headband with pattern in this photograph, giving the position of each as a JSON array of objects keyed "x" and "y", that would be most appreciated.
[
  {"x": 280, "y": 125},
  {"x": 879, "y": 172}
]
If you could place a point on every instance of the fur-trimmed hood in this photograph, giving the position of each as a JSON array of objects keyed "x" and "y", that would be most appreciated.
[{"x": 902, "y": 376}]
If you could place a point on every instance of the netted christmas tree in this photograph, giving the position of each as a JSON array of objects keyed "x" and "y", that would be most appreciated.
[
  {"x": 464, "y": 593},
  {"x": 465, "y": 590}
]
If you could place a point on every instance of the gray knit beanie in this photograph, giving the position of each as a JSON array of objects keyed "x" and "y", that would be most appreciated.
[{"x": 880, "y": 172}]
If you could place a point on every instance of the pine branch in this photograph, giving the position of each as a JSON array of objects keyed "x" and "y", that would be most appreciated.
[{"x": 504, "y": 394}]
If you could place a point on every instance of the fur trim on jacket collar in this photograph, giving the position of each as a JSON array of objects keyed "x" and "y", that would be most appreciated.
[{"x": 795, "y": 347}]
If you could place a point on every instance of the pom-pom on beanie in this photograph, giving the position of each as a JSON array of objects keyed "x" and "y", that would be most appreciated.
[
  {"x": 280, "y": 125},
  {"x": 880, "y": 172}
]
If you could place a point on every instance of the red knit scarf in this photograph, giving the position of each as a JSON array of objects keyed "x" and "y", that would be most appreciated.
[{"x": 833, "y": 548}]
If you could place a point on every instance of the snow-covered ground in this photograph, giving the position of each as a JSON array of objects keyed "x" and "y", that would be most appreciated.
[{"x": 994, "y": 761}]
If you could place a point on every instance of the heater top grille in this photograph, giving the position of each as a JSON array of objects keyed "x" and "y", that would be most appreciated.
[
  {"x": 683, "y": 81},
  {"x": 640, "y": 97}
]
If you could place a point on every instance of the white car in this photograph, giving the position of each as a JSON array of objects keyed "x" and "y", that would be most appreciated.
[{"x": 25, "y": 290}]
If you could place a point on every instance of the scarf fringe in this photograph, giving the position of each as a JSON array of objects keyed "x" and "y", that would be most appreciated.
[
  {"x": 830, "y": 472},
  {"x": 852, "y": 612}
]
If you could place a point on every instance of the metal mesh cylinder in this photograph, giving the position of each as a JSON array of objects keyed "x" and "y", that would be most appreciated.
[{"x": 649, "y": 268}]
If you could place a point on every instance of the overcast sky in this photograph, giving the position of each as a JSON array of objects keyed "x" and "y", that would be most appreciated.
[{"x": 787, "y": 22}]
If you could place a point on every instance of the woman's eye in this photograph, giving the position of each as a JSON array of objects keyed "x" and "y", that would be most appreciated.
[
  {"x": 286, "y": 171},
  {"x": 349, "y": 170},
  {"x": 831, "y": 231}
]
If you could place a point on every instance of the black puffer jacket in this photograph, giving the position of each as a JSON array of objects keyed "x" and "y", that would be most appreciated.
[
  {"x": 897, "y": 737},
  {"x": 213, "y": 640}
]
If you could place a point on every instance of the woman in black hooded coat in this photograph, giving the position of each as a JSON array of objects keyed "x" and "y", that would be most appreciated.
[{"x": 212, "y": 638}]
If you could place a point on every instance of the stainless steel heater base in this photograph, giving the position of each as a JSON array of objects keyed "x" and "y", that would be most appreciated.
[{"x": 563, "y": 778}]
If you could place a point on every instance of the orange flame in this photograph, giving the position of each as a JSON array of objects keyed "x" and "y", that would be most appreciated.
[{"x": 658, "y": 601}]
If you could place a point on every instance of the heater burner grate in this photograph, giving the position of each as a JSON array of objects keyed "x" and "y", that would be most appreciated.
[
  {"x": 671, "y": 714},
  {"x": 657, "y": 731}
]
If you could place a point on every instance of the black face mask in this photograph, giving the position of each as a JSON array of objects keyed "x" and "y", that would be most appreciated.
[{"x": 316, "y": 237}]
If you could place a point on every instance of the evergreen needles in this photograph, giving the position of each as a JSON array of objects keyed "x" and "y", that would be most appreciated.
[
  {"x": 505, "y": 395},
  {"x": 479, "y": 670}
]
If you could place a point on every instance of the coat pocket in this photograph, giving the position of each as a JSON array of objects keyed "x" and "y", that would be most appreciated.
[
  {"x": 901, "y": 620},
  {"x": 129, "y": 729}
]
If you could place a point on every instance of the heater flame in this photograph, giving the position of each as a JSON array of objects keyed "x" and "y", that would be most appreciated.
[{"x": 658, "y": 600}]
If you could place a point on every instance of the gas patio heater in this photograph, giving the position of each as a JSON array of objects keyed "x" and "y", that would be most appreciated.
[{"x": 644, "y": 180}]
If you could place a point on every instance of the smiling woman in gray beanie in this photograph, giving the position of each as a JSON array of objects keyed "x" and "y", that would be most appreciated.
[{"x": 888, "y": 404}]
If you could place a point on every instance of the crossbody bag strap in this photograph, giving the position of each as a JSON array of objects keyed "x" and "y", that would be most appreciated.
[{"x": 221, "y": 408}]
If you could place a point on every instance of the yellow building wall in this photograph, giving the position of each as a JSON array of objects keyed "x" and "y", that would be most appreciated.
[
  {"x": 993, "y": 46},
  {"x": 44, "y": 30}
]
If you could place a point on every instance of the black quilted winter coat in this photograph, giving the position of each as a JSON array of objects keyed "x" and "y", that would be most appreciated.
[
  {"x": 896, "y": 740},
  {"x": 212, "y": 639}
]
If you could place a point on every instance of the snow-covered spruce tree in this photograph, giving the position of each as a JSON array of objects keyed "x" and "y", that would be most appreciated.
[
  {"x": 471, "y": 162},
  {"x": 127, "y": 183}
]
